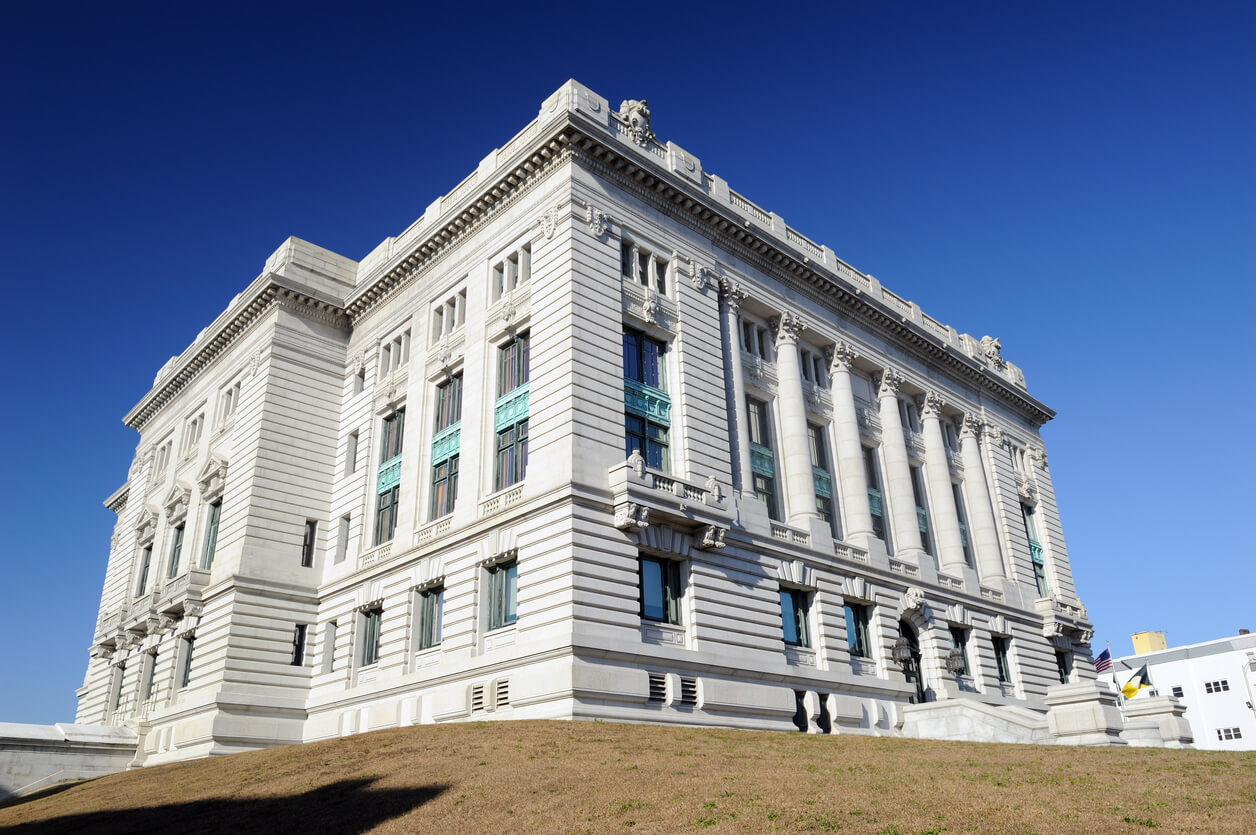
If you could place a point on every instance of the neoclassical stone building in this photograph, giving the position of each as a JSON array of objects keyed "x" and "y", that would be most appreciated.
[{"x": 595, "y": 437}]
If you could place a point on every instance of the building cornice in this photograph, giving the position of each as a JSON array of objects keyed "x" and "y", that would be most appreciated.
[
  {"x": 267, "y": 292},
  {"x": 117, "y": 499}
]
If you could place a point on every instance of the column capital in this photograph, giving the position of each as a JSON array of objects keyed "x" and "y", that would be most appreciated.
[
  {"x": 972, "y": 426},
  {"x": 841, "y": 357},
  {"x": 732, "y": 293},
  {"x": 788, "y": 327},
  {"x": 931, "y": 406},
  {"x": 890, "y": 382}
]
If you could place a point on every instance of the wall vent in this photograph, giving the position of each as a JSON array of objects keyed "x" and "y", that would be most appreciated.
[
  {"x": 688, "y": 691},
  {"x": 503, "y": 692},
  {"x": 477, "y": 698},
  {"x": 658, "y": 687}
]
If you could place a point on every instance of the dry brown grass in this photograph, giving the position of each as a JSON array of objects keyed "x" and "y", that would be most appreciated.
[{"x": 599, "y": 777}]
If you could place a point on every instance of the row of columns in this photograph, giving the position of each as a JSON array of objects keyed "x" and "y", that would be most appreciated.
[{"x": 795, "y": 454}]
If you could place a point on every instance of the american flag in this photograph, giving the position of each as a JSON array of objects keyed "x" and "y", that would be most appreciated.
[{"x": 1103, "y": 661}]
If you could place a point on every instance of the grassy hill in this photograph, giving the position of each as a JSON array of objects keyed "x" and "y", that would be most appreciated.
[{"x": 598, "y": 777}]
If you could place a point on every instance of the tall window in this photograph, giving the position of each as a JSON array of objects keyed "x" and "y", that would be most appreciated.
[
  {"x": 922, "y": 509},
  {"x": 660, "y": 590},
  {"x": 1035, "y": 550},
  {"x": 149, "y": 675},
  {"x": 211, "y": 534},
  {"x": 329, "y": 647},
  {"x": 876, "y": 506},
  {"x": 388, "y": 482},
  {"x": 386, "y": 514},
  {"x": 227, "y": 402},
  {"x": 511, "y": 412},
  {"x": 117, "y": 676},
  {"x": 298, "y": 644},
  {"x": 351, "y": 453},
  {"x": 647, "y": 407},
  {"x": 185, "y": 669},
  {"x": 962, "y": 513},
  {"x": 638, "y": 265},
  {"x": 431, "y": 604},
  {"x": 959, "y": 640},
  {"x": 1064, "y": 665},
  {"x": 176, "y": 551},
  {"x": 446, "y": 441},
  {"x": 857, "y": 630},
  {"x": 513, "y": 271},
  {"x": 1001, "y": 663},
  {"x": 394, "y": 353},
  {"x": 762, "y": 458},
  {"x": 371, "y": 621},
  {"x": 146, "y": 561},
  {"x": 503, "y": 594},
  {"x": 794, "y": 617},
  {"x": 393, "y": 429},
  {"x": 307, "y": 543},
  {"x": 822, "y": 476},
  {"x": 342, "y": 538}
]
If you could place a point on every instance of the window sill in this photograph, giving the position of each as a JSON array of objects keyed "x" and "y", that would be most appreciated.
[
  {"x": 655, "y": 632},
  {"x": 429, "y": 657},
  {"x": 501, "y": 637},
  {"x": 800, "y": 656},
  {"x": 861, "y": 666}
]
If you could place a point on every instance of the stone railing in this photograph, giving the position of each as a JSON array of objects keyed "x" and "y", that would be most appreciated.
[
  {"x": 177, "y": 592},
  {"x": 788, "y": 533},
  {"x": 904, "y": 568},
  {"x": 632, "y": 482},
  {"x": 376, "y": 555},
  {"x": 850, "y": 552},
  {"x": 434, "y": 530},
  {"x": 749, "y": 208},
  {"x": 109, "y": 622},
  {"x": 501, "y": 501}
]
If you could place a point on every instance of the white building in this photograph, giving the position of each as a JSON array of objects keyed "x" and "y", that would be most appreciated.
[
  {"x": 1215, "y": 680},
  {"x": 595, "y": 437}
]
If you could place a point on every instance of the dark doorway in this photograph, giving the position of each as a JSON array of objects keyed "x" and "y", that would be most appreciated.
[{"x": 912, "y": 669}]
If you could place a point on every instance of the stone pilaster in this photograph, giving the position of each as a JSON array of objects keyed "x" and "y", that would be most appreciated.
[
  {"x": 941, "y": 496},
  {"x": 980, "y": 509},
  {"x": 906, "y": 527},
  {"x": 800, "y": 491},
  {"x": 731, "y": 297},
  {"x": 849, "y": 449}
]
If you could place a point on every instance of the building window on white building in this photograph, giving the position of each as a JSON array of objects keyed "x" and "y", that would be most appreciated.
[
  {"x": 116, "y": 678},
  {"x": 762, "y": 457},
  {"x": 185, "y": 661},
  {"x": 823, "y": 478},
  {"x": 922, "y": 509},
  {"x": 146, "y": 562},
  {"x": 192, "y": 435},
  {"x": 513, "y": 271},
  {"x": 342, "y": 538},
  {"x": 756, "y": 340},
  {"x": 329, "y": 647},
  {"x": 1177, "y": 692},
  {"x": 446, "y": 445},
  {"x": 394, "y": 353},
  {"x": 1035, "y": 549},
  {"x": 641, "y": 267},
  {"x": 1002, "y": 664},
  {"x": 351, "y": 453},
  {"x": 876, "y": 503},
  {"x": 431, "y": 603},
  {"x": 796, "y": 617},
  {"x": 162, "y": 459},
  {"x": 959, "y": 640},
  {"x": 813, "y": 367},
  {"x": 647, "y": 407},
  {"x": 510, "y": 414},
  {"x": 298, "y": 645},
  {"x": 661, "y": 590},
  {"x": 308, "y": 542},
  {"x": 1226, "y": 734},
  {"x": 388, "y": 481},
  {"x": 148, "y": 677},
  {"x": 1217, "y": 686},
  {"x": 211, "y": 534},
  {"x": 961, "y": 514},
  {"x": 449, "y": 316},
  {"x": 503, "y": 594},
  {"x": 858, "y": 640},
  {"x": 176, "y": 551},
  {"x": 371, "y": 621},
  {"x": 228, "y": 399}
]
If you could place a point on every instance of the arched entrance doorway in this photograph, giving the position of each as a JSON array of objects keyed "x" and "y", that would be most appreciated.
[{"x": 912, "y": 668}]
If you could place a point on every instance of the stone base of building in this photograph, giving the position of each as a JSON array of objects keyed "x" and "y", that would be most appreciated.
[
  {"x": 33, "y": 757},
  {"x": 966, "y": 720},
  {"x": 1157, "y": 722},
  {"x": 1084, "y": 713}
]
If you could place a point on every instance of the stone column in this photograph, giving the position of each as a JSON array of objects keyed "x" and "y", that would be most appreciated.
[
  {"x": 848, "y": 451},
  {"x": 897, "y": 471},
  {"x": 941, "y": 496},
  {"x": 800, "y": 483},
  {"x": 731, "y": 297},
  {"x": 980, "y": 509}
]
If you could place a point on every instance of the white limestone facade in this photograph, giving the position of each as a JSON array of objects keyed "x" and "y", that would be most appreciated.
[{"x": 707, "y": 473}]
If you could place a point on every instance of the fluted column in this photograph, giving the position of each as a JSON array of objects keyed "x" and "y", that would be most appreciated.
[
  {"x": 731, "y": 297},
  {"x": 980, "y": 507},
  {"x": 897, "y": 470},
  {"x": 800, "y": 483},
  {"x": 941, "y": 496},
  {"x": 848, "y": 449}
]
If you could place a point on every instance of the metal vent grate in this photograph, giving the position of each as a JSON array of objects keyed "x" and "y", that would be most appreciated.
[
  {"x": 503, "y": 692},
  {"x": 688, "y": 691},
  {"x": 477, "y": 698},
  {"x": 658, "y": 687}
]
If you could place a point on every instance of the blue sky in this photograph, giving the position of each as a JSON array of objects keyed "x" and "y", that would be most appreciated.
[{"x": 1076, "y": 179}]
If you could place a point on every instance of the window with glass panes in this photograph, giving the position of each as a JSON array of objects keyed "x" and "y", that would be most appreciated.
[
  {"x": 660, "y": 590},
  {"x": 446, "y": 444},
  {"x": 639, "y": 266},
  {"x": 372, "y": 620},
  {"x": 510, "y": 414},
  {"x": 388, "y": 480},
  {"x": 794, "y": 617},
  {"x": 1064, "y": 665},
  {"x": 1002, "y": 665},
  {"x": 922, "y": 509},
  {"x": 857, "y": 640},
  {"x": 176, "y": 551},
  {"x": 762, "y": 457},
  {"x": 308, "y": 543},
  {"x": 962, "y": 513},
  {"x": 146, "y": 561},
  {"x": 647, "y": 407},
  {"x": 431, "y": 603},
  {"x": 185, "y": 670},
  {"x": 959, "y": 640},
  {"x": 444, "y": 486},
  {"x": 503, "y": 594},
  {"x": 822, "y": 476},
  {"x": 1035, "y": 550},
  {"x": 211, "y": 534},
  {"x": 876, "y": 505}
]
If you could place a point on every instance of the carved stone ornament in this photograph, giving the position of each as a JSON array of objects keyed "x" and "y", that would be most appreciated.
[
  {"x": 994, "y": 434},
  {"x": 840, "y": 356},
  {"x": 650, "y": 306},
  {"x": 1027, "y": 490},
  {"x": 788, "y": 328},
  {"x": 254, "y": 363},
  {"x": 913, "y": 600},
  {"x": 357, "y": 363},
  {"x": 891, "y": 380},
  {"x": 856, "y": 588},
  {"x": 176, "y": 504},
  {"x": 997, "y": 625},
  {"x": 113, "y": 541},
  {"x": 972, "y": 427},
  {"x": 931, "y": 405},
  {"x": 147, "y": 527},
  {"x": 1039, "y": 456},
  {"x": 714, "y": 492},
  {"x": 631, "y": 516},
  {"x": 700, "y": 277},
  {"x": 212, "y": 478},
  {"x": 732, "y": 293},
  {"x": 636, "y": 115},
  {"x": 636, "y": 462},
  {"x": 548, "y": 221},
  {"x": 992, "y": 349},
  {"x": 712, "y": 538},
  {"x": 597, "y": 221}
]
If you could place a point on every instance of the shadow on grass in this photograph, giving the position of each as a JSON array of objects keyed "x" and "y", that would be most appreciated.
[
  {"x": 7, "y": 800},
  {"x": 348, "y": 806}
]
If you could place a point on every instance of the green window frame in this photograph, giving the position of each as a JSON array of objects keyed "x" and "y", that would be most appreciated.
[
  {"x": 857, "y": 638},
  {"x": 386, "y": 514},
  {"x": 176, "y": 551},
  {"x": 961, "y": 511},
  {"x": 448, "y": 403},
  {"x": 503, "y": 594},
  {"x": 512, "y": 455},
  {"x": 431, "y": 607},
  {"x": 1002, "y": 665},
  {"x": 513, "y": 360},
  {"x": 444, "y": 486},
  {"x": 146, "y": 562},
  {"x": 876, "y": 503},
  {"x": 922, "y": 509},
  {"x": 661, "y": 590},
  {"x": 372, "y": 622},
  {"x": 185, "y": 672},
  {"x": 795, "y": 617},
  {"x": 211, "y": 535}
]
